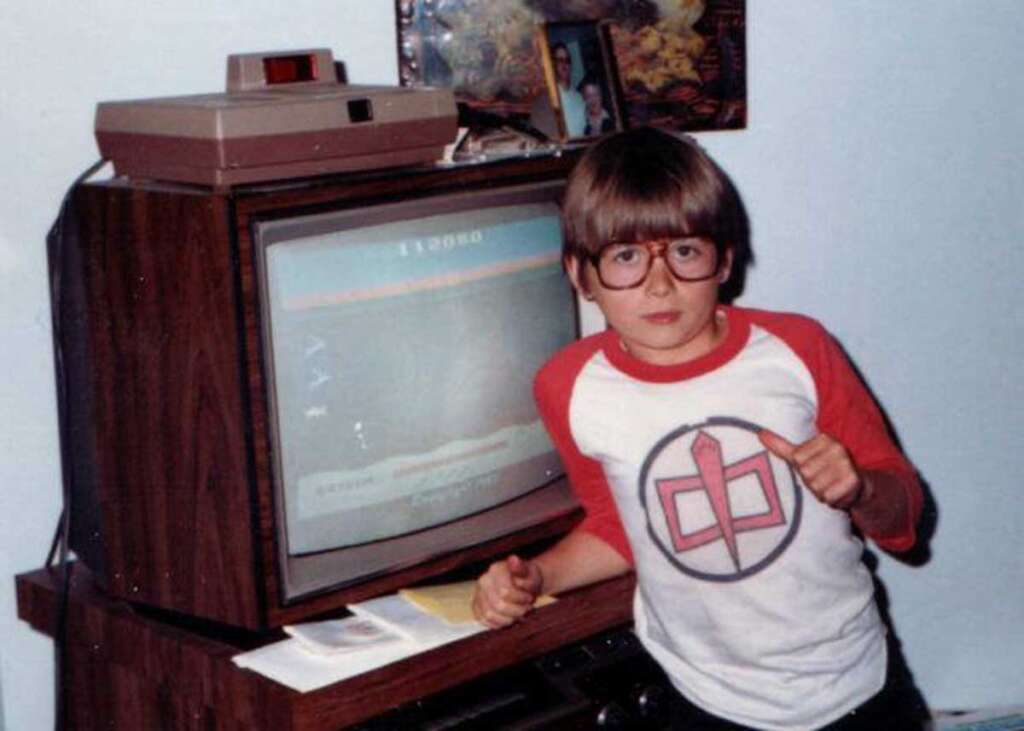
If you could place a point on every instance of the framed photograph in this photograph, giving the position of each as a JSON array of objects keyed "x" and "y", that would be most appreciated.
[
  {"x": 581, "y": 100},
  {"x": 679, "y": 64}
]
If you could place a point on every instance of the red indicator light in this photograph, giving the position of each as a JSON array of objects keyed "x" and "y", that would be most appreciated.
[{"x": 289, "y": 69}]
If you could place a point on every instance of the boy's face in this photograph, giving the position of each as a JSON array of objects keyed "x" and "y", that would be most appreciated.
[{"x": 663, "y": 321}]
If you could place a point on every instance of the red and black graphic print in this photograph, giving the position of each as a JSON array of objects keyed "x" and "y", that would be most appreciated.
[{"x": 719, "y": 505}]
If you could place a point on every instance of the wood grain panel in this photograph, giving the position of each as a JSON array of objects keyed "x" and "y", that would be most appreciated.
[
  {"x": 161, "y": 428},
  {"x": 133, "y": 669}
]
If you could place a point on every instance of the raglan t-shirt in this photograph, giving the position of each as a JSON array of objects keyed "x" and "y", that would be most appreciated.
[{"x": 751, "y": 593}]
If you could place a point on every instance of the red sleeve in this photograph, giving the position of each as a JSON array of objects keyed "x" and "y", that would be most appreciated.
[
  {"x": 553, "y": 388},
  {"x": 847, "y": 412}
]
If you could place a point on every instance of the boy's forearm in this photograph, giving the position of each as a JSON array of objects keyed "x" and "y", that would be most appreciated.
[
  {"x": 579, "y": 559},
  {"x": 883, "y": 510}
]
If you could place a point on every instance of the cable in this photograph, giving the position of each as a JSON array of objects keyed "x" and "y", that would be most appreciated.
[
  {"x": 56, "y": 239},
  {"x": 58, "y": 534}
]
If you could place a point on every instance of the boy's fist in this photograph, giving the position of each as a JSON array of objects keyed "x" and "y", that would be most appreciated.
[
  {"x": 507, "y": 591},
  {"x": 825, "y": 467}
]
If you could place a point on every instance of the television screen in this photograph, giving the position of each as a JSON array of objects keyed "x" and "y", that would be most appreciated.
[{"x": 402, "y": 341}]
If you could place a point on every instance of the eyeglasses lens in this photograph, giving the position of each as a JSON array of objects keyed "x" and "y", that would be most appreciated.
[{"x": 621, "y": 266}]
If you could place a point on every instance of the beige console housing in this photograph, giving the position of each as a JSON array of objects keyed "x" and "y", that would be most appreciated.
[{"x": 284, "y": 115}]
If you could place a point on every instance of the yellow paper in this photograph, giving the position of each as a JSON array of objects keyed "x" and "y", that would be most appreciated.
[{"x": 452, "y": 603}]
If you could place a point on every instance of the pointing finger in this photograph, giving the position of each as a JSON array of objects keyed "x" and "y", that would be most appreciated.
[{"x": 777, "y": 445}]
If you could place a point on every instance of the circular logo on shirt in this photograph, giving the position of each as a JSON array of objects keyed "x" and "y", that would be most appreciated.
[{"x": 719, "y": 505}]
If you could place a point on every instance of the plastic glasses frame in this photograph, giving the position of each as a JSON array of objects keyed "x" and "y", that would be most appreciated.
[{"x": 657, "y": 249}]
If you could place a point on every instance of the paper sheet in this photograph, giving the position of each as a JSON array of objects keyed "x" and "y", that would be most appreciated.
[
  {"x": 423, "y": 619},
  {"x": 290, "y": 664},
  {"x": 336, "y": 636},
  {"x": 398, "y": 613},
  {"x": 452, "y": 603}
]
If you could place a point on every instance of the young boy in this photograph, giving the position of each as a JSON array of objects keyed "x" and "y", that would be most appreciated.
[{"x": 723, "y": 454}]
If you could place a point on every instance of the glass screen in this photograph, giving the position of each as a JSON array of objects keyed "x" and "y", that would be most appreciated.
[{"x": 402, "y": 359}]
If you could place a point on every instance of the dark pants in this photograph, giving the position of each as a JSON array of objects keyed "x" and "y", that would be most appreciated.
[{"x": 897, "y": 707}]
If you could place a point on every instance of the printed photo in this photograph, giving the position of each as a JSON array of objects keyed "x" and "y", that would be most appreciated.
[{"x": 580, "y": 101}]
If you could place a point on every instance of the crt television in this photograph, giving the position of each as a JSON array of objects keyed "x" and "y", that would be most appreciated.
[{"x": 286, "y": 397}]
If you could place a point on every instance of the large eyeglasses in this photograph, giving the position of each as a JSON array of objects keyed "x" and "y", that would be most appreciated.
[{"x": 624, "y": 266}]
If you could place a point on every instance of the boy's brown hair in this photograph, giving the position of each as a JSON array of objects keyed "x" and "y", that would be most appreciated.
[{"x": 646, "y": 184}]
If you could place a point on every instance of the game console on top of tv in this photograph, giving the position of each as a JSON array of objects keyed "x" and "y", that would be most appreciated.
[{"x": 283, "y": 115}]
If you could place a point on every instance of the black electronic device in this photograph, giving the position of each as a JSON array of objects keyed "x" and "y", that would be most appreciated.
[{"x": 607, "y": 681}]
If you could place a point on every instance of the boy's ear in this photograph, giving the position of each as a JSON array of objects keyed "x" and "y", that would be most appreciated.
[
  {"x": 576, "y": 276},
  {"x": 726, "y": 269}
]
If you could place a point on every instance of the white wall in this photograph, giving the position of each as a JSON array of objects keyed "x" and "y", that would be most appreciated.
[{"x": 883, "y": 173}]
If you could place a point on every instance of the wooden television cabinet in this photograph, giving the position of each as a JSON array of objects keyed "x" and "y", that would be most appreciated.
[{"x": 175, "y": 530}]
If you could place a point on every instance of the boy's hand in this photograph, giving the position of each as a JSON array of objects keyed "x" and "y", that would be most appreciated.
[
  {"x": 506, "y": 592},
  {"x": 825, "y": 467}
]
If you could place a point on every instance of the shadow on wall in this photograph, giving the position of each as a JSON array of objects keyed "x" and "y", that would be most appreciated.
[
  {"x": 917, "y": 556},
  {"x": 921, "y": 553}
]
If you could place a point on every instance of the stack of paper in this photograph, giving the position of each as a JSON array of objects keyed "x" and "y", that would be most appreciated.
[
  {"x": 381, "y": 631},
  {"x": 337, "y": 636},
  {"x": 453, "y": 603}
]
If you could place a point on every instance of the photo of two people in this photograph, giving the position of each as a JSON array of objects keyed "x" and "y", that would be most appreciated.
[{"x": 580, "y": 99}]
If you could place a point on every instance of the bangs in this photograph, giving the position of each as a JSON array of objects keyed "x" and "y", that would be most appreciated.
[
  {"x": 623, "y": 215},
  {"x": 638, "y": 188}
]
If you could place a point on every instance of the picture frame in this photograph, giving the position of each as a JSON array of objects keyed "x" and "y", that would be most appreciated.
[
  {"x": 679, "y": 65},
  {"x": 685, "y": 72},
  {"x": 582, "y": 93}
]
